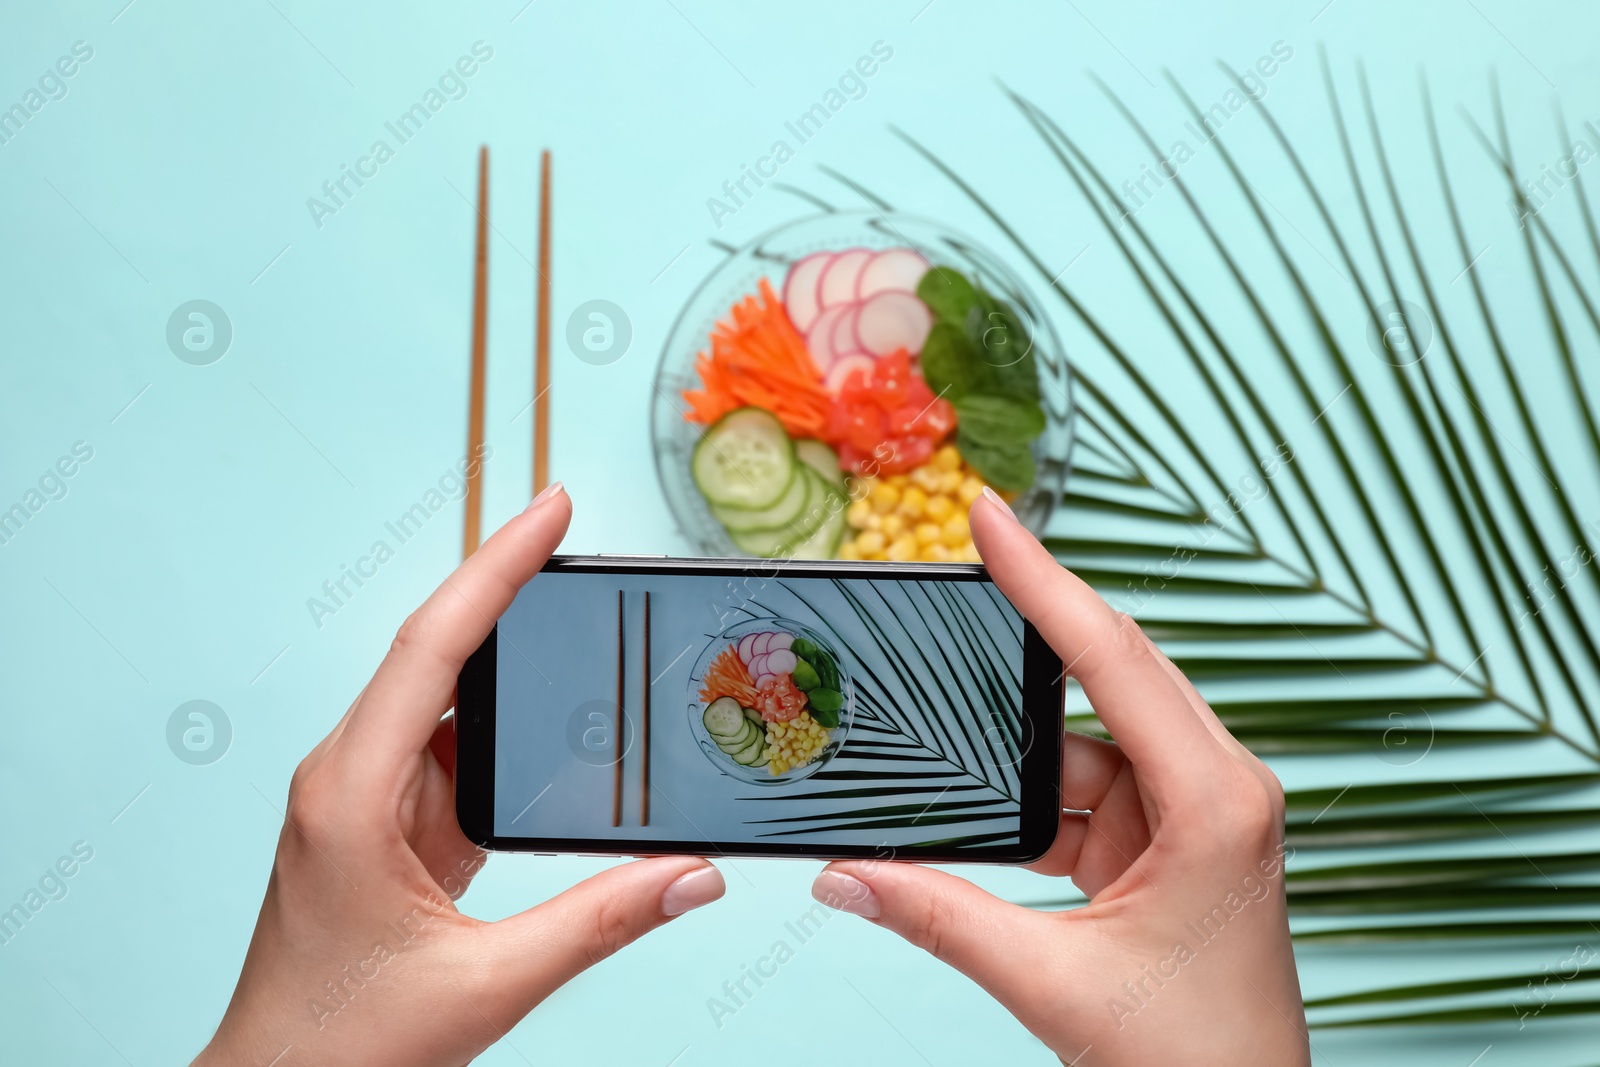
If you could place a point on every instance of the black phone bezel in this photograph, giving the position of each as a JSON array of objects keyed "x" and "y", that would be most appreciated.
[{"x": 1043, "y": 694}]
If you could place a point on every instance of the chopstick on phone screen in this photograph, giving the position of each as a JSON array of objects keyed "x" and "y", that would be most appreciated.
[
  {"x": 644, "y": 723},
  {"x": 620, "y": 741}
]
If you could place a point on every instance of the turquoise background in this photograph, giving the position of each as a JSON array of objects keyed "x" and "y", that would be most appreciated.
[{"x": 219, "y": 498}]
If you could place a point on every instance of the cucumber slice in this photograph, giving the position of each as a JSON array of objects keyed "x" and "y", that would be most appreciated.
[
  {"x": 823, "y": 542},
  {"x": 731, "y": 749},
  {"x": 745, "y": 460},
  {"x": 820, "y": 458},
  {"x": 735, "y": 740},
  {"x": 815, "y": 534},
  {"x": 724, "y": 717},
  {"x": 790, "y": 506},
  {"x": 753, "y": 754},
  {"x": 755, "y": 716}
]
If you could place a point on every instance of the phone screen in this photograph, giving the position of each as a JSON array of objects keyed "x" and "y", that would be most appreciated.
[{"x": 840, "y": 713}]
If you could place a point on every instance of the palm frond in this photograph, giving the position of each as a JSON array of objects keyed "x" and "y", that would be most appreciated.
[
  {"x": 1400, "y": 603},
  {"x": 961, "y": 772}
]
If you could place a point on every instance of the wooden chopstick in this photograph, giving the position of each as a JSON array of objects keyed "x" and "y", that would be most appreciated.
[
  {"x": 472, "y": 529},
  {"x": 541, "y": 353},
  {"x": 644, "y": 723},
  {"x": 621, "y": 725}
]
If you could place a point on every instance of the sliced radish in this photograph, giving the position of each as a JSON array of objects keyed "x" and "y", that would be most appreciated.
[
  {"x": 746, "y": 652},
  {"x": 781, "y": 661},
  {"x": 800, "y": 289},
  {"x": 838, "y": 282},
  {"x": 819, "y": 340},
  {"x": 844, "y": 330},
  {"x": 758, "y": 664},
  {"x": 892, "y": 270},
  {"x": 781, "y": 639},
  {"x": 844, "y": 367},
  {"x": 763, "y": 679},
  {"x": 763, "y": 641},
  {"x": 891, "y": 321}
]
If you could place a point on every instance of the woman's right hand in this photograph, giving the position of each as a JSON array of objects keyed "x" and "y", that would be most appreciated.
[{"x": 1182, "y": 954}]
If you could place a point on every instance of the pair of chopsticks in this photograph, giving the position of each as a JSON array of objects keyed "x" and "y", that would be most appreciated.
[
  {"x": 472, "y": 532},
  {"x": 621, "y": 722}
]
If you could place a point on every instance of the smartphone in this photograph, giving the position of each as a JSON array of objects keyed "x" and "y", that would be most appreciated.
[{"x": 631, "y": 705}]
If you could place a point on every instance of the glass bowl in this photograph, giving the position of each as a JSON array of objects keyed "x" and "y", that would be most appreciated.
[
  {"x": 762, "y": 775},
  {"x": 673, "y": 437}
]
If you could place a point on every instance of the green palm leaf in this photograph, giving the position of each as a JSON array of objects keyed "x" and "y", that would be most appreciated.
[
  {"x": 1389, "y": 600},
  {"x": 960, "y": 772}
]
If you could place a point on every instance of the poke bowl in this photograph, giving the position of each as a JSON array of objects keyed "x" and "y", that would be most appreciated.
[
  {"x": 770, "y": 701},
  {"x": 846, "y": 385}
]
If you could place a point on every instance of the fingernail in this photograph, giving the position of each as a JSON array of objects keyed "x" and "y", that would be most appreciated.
[
  {"x": 841, "y": 892},
  {"x": 994, "y": 498},
  {"x": 695, "y": 889},
  {"x": 546, "y": 493}
]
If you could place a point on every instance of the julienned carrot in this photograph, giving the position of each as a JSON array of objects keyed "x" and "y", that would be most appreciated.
[
  {"x": 728, "y": 677},
  {"x": 758, "y": 359}
]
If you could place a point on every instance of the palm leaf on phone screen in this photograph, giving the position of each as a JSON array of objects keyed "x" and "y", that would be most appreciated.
[
  {"x": 914, "y": 650},
  {"x": 1381, "y": 563}
]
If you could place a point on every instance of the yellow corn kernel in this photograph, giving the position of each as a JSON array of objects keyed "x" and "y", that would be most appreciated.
[
  {"x": 860, "y": 488},
  {"x": 884, "y": 497},
  {"x": 950, "y": 481},
  {"x": 870, "y": 543},
  {"x": 899, "y": 481},
  {"x": 926, "y": 478},
  {"x": 856, "y": 514},
  {"x": 927, "y": 532},
  {"x": 956, "y": 532},
  {"x": 934, "y": 553},
  {"x": 939, "y": 508},
  {"x": 903, "y": 549},
  {"x": 969, "y": 553},
  {"x": 912, "y": 502},
  {"x": 947, "y": 458},
  {"x": 971, "y": 489},
  {"x": 847, "y": 550},
  {"x": 891, "y": 525},
  {"x": 874, "y": 522}
]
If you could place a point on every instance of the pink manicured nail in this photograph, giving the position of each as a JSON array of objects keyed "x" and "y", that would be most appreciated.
[
  {"x": 841, "y": 892},
  {"x": 695, "y": 889},
  {"x": 994, "y": 498},
  {"x": 547, "y": 493}
]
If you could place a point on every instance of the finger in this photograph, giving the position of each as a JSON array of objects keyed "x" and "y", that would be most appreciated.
[
  {"x": 546, "y": 946},
  {"x": 997, "y": 944},
  {"x": 413, "y": 685},
  {"x": 1118, "y": 836},
  {"x": 1062, "y": 857},
  {"x": 1218, "y": 729},
  {"x": 1103, "y": 649},
  {"x": 1196, "y": 701},
  {"x": 1088, "y": 767}
]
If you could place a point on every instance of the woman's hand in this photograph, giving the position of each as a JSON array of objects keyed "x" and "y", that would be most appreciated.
[
  {"x": 1182, "y": 954},
  {"x": 359, "y": 956}
]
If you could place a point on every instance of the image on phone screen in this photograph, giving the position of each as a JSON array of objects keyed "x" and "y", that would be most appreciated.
[{"x": 796, "y": 712}]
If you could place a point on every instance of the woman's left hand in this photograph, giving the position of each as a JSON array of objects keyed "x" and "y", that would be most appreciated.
[{"x": 359, "y": 955}]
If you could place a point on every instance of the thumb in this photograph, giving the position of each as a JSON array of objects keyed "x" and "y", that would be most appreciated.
[
  {"x": 548, "y": 945},
  {"x": 997, "y": 944}
]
